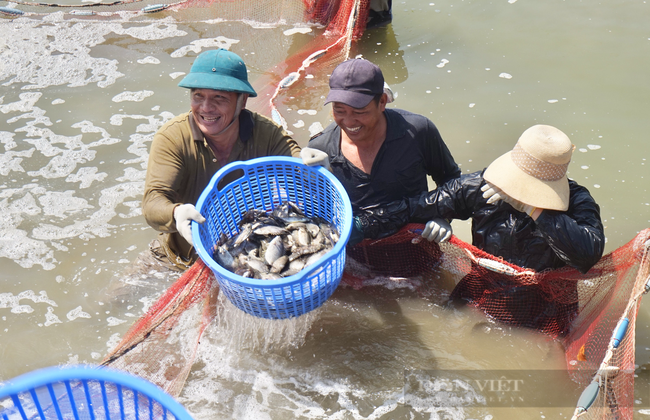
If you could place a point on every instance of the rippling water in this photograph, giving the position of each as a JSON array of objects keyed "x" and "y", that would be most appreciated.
[{"x": 81, "y": 98}]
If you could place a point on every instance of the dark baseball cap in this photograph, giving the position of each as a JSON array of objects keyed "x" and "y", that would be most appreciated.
[{"x": 355, "y": 82}]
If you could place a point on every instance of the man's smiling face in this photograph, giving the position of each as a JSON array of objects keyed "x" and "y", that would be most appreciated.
[
  {"x": 360, "y": 124},
  {"x": 213, "y": 109}
]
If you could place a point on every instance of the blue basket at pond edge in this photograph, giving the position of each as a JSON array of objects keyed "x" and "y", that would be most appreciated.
[
  {"x": 263, "y": 184},
  {"x": 86, "y": 392}
]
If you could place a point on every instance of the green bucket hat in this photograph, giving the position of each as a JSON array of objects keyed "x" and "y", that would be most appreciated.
[{"x": 219, "y": 70}]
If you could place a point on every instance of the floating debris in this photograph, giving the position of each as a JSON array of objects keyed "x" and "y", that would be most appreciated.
[
  {"x": 289, "y": 80},
  {"x": 155, "y": 8},
  {"x": 10, "y": 11},
  {"x": 82, "y": 12}
]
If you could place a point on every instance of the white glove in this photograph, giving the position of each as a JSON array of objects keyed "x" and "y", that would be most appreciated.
[
  {"x": 437, "y": 230},
  {"x": 315, "y": 157},
  {"x": 184, "y": 214},
  {"x": 491, "y": 193},
  {"x": 494, "y": 194}
]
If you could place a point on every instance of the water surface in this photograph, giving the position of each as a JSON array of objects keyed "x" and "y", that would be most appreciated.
[{"x": 80, "y": 99}]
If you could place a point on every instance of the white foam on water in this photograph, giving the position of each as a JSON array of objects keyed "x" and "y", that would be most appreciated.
[
  {"x": 36, "y": 61},
  {"x": 97, "y": 224},
  {"x": 149, "y": 60},
  {"x": 113, "y": 341},
  {"x": 62, "y": 204},
  {"x": 593, "y": 146},
  {"x": 442, "y": 63},
  {"x": 11, "y": 161},
  {"x": 25, "y": 104},
  {"x": 133, "y": 96},
  {"x": 7, "y": 139},
  {"x": 247, "y": 371},
  {"x": 55, "y": 52},
  {"x": 299, "y": 124},
  {"x": 51, "y": 318},
  {"x": 11, "y": 301},
  {"x": 155, "y": 31},
  {"x": 315, "y": 128},
  {"x": 77, "y": 313},
  {"x": 112, "y": 321},
  {"x": 177, "y": 74},
  {"x": 297, "y": 30},
  {"x": 58, "y": 101},
  {"x": 86, "y": 176},
  {"x": 198, "y": 45},
  {"x": 15, "y": 243},
  {"x": 505, "y": 76}
]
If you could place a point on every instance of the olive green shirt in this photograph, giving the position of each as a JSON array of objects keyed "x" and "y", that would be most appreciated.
[{"x": 181, "y": 164}]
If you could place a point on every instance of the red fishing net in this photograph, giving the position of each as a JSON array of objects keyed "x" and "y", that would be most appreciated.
[
  {"x": 582, "y": 311},
  {"x": 161, "y": 345}
]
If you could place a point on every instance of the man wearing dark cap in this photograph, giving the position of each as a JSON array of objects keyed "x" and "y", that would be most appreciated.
[
  {"x": 380, "y": 155},
  {"x": 189, "y": 149}
]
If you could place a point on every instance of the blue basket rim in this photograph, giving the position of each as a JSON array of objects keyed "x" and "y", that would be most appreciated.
[
  {"x": 285, "y": 281},
  {"x": 51, "y": 375}
]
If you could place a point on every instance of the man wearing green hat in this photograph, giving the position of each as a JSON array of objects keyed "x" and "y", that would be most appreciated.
[{"x": 189, "y": 149}]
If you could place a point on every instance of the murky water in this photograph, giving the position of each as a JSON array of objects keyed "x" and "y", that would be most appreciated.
[{"x": 80, "y": 100}]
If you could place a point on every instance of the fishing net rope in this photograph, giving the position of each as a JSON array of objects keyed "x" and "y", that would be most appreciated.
[
  {"x": 583, "y": 312},
  {"x": 592, "y": 315}
]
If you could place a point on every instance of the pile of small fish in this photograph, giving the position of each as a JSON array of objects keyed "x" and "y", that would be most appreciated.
[{"x": 275, "y": 244}]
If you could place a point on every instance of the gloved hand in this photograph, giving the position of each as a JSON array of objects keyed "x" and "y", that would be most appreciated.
[
  {"x": 437, "y": 230},
  {"x": 184, "y": 214},
  {"x": 491, "y": 193},
  {"x": 315, "y": 157},
  {"x": 494, "y": 194}
]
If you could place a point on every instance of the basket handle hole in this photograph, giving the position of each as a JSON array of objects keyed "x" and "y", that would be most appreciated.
[{"x": 230, "y": 177}]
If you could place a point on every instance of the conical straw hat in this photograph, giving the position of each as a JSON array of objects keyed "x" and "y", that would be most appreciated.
[{"x": 534, "y": 172}]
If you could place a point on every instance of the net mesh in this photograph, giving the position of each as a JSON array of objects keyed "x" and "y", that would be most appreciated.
[
  {"x": 161, "y": 345},
  {"x": 582, "y": 311}
]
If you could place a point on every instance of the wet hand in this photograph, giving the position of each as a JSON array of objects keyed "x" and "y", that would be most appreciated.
[
  {"x": 437, "y": 230},
  {"x": 183, "y": 215},
  {"x": 315, "y": 157}
]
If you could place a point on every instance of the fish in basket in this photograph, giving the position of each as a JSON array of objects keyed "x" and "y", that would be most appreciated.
[{"x": 284, "y": 190}]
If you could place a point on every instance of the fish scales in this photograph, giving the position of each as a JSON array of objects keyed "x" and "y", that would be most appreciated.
[{"x": 275, "y": 244}]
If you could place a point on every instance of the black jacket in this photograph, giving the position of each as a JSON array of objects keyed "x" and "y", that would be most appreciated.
[{"x": 575, "y": 237}]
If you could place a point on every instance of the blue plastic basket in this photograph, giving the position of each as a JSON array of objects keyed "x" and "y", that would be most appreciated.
[
  {"x": 86, "y": 393},
  {"x": 264, "y": 184}
]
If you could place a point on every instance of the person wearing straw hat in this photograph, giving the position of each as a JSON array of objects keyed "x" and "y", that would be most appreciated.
[
  {"x": 380, "y": 155},
  {"x": 523, "y": 207},
  {"x": 190, "y": 148}
]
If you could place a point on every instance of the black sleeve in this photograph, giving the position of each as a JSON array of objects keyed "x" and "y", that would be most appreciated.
[
  {"x": 455, "y": 199},
  {"x": 576, "y": 236},
  {"x": 441, "y": 165}
]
